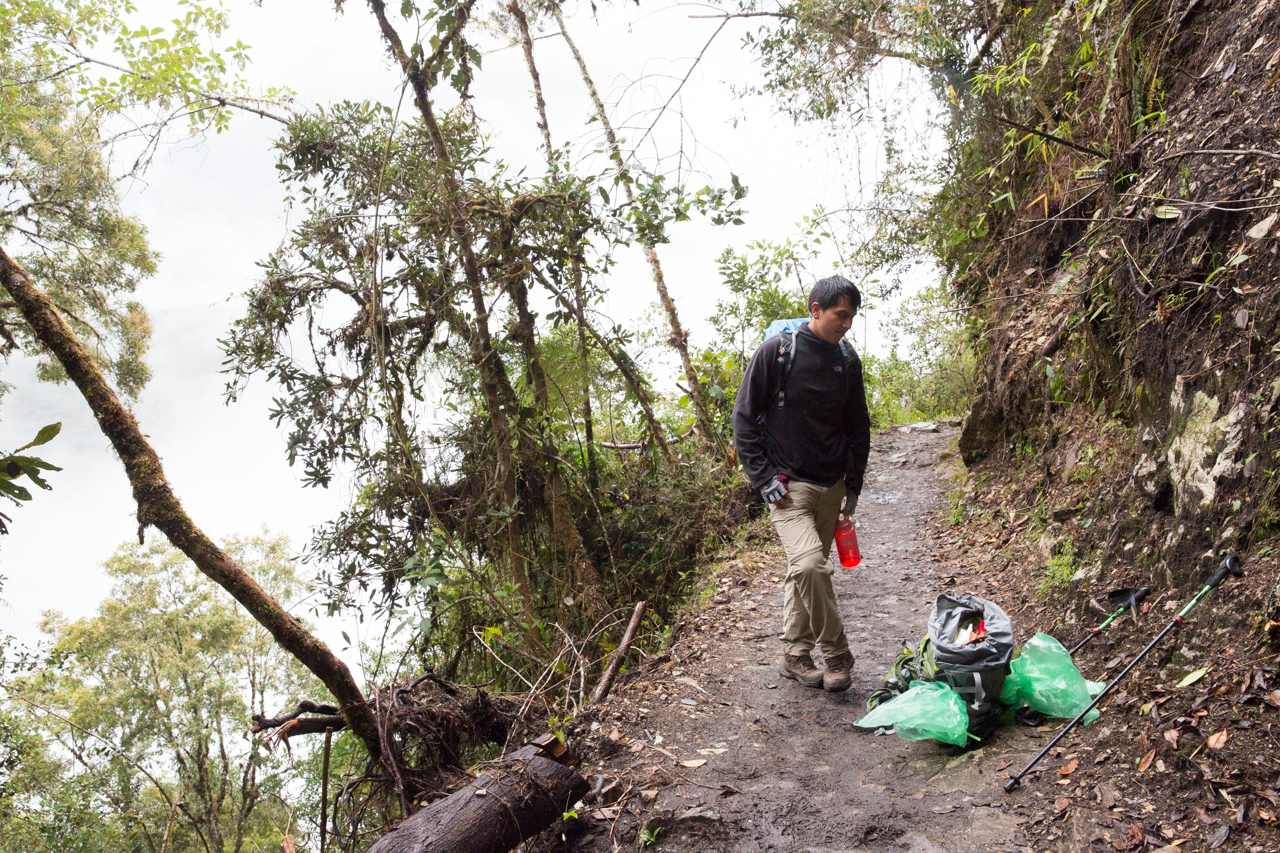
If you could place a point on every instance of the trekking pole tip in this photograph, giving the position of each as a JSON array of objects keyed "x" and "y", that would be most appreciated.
[{"x": 1013, "y": 783}]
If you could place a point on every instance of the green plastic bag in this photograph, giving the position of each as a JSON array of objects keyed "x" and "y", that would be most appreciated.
[
  {"x": 1012, "y": 685},
  {"x": 1045, "y": 679},
  {"x": 930, "y": 710}
]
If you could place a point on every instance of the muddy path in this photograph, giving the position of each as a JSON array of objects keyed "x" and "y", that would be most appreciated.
[{"x": 712, "y": 750}]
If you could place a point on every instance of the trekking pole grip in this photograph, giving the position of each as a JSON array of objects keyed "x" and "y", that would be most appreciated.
[{"x": 1230, "y": 566}]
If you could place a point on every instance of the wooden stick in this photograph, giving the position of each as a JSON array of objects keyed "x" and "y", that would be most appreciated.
[{"x": 615, "y": 663}]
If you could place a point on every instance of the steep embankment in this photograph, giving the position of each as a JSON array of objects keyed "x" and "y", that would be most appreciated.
[
  {"x": 1127, "y": 432},
  {"x": 1143, "y": 305}
]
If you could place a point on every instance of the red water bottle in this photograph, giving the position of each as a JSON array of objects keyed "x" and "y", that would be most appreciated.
[{"x": 847, "y": 543}]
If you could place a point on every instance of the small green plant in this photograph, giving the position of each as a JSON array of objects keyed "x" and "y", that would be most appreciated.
[
  {"x": 956, "y": 499},
  {"x": 649, "y": 836},
  {"x": 1093, "y": 460},
  {"x": 1059, "y": 572},
  {"x": 557, "y": 725}
]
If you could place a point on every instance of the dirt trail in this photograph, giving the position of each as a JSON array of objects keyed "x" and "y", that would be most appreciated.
[{"x": 803, "y": 777}]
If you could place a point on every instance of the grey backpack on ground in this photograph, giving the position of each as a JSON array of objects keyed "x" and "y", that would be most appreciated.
[{"x": 975, "y": 671}]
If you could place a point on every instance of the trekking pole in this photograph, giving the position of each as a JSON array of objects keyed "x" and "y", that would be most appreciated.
[
  {"x": 1131, "y": 598},
  {"x": 1230, "y": 566}
]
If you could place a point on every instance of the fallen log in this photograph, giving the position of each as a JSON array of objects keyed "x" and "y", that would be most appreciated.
[{"x": 509, "y": 803}]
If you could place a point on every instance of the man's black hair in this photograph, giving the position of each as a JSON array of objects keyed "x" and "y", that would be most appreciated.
[{"x": 830, "y": 292}]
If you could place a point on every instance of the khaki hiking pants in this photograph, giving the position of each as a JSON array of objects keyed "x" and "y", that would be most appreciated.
[{"x": 806, "y": 528}]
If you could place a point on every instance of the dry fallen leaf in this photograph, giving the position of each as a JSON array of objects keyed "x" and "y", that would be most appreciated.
[
  {"x": 1070, "y": 767},
  {"x": 1106, "y": 797},
  {"x": 690, "y": 682},
  {"x": 1218, "y": 739},
  {"x": 1061, "y": 804},
  {"x": 720, "y": 751},
  {"x": 1172, "y": 737},
  {"x": 1146, "y": 761},
  {"x": 943, "y": 809},
  {"x": 1219, "y": 837},
  {"x": 693, "y": 762}
]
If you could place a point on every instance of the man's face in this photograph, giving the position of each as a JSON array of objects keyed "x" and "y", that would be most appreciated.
[{"x": 833, "y": 323}]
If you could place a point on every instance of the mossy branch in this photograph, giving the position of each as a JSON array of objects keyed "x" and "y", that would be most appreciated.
[{"x": 159, "y": 507}]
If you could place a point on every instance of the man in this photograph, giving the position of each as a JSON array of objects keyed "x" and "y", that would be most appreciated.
[{"x": 803, "y": 434}]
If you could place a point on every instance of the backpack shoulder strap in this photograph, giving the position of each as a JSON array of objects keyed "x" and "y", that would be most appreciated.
[
  {"x": 846, "y": 349},
  {"x": 786, "y": 356}
]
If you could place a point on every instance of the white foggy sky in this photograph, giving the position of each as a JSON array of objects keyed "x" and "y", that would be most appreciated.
[{"x": 214, "y": 207}]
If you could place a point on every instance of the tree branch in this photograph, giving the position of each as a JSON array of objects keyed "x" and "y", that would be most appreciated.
[
  {"x": 220, "y": 100},
  {"x": 159, "y": 507},
  {"x": 1058, "y": 139}
]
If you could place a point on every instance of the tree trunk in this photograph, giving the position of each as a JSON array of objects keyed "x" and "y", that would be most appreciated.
[
  {"x": 159, "y": 507},
  {"x": 576, "y": 556},
  {"x": 526, "y": 41},
  {"x": 623, "y": 362},
  {"x": 497, "y": 811},
  {"x": 588, "y": 424},
  {"x": 679, "y": 337},
  {"x": 487, "y": 361}
]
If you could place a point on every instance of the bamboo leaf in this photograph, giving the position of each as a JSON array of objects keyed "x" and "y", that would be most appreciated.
[{"x": 1192, "y": 677}]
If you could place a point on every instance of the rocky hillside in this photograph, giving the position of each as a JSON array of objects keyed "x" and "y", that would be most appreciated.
[{"x": 1130, "y": 306}]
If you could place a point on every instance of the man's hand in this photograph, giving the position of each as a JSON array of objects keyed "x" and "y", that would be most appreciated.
[
  {"x": 850, "y": 504},
  {"x": 775, "y": 492}
]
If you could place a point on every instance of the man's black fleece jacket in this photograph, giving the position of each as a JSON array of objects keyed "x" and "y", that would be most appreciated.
[{"x": 821, "y": 433}]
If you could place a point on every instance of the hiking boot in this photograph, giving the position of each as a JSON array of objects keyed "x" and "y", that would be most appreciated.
[
  {"x": 801, "y": 668},
  {"x": 837, "y": 677}
]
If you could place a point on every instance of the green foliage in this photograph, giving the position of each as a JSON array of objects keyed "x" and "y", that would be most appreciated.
[
  {"x": 146, "y": 705},
  {"x": 61, "y": 205},
  {"x": 400, "y": 334},
  {"x": 111, "y": 63},
  {"x": 1062, "y": 567},
  {"x": 937, "y": 377},
  {"x": 71, "y": 69},
  {"x": 760, "y": 281},
  {"x": 649, "y": 837},
  {"x": 15, "y": 466},
  {"x": 818, "y": 56}
]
